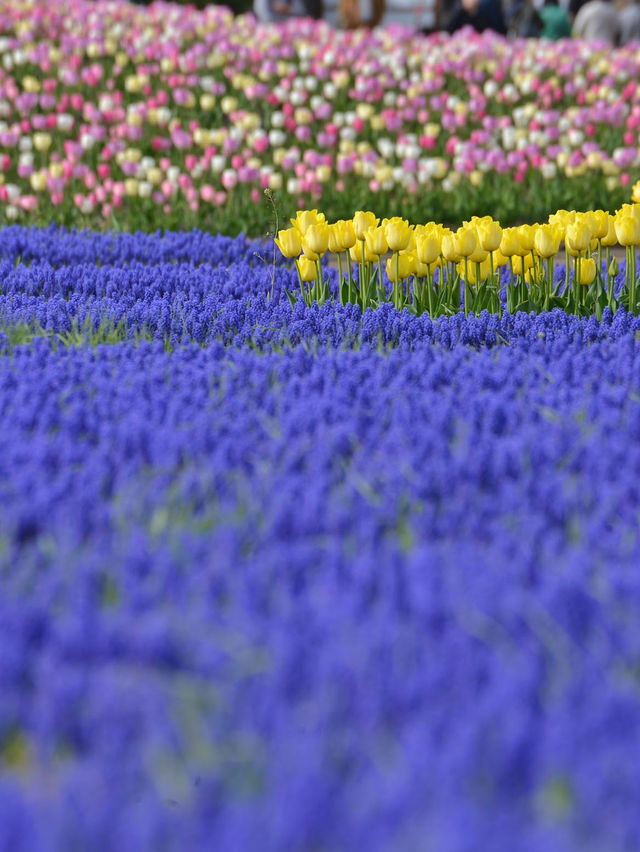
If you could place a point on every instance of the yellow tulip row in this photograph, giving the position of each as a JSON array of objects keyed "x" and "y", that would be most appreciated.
[{"x": 474, "y": 252}]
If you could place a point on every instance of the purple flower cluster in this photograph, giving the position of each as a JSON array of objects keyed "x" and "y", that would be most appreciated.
[{"x": 324, "y": 595}]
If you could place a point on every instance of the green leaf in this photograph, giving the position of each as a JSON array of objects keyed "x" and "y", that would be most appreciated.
[{"x": 292, "y": 298}]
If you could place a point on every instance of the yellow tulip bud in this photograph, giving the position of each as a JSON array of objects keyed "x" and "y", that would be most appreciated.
[
  {"x": 356, "y": 255},
  {"x": 577, "y": 237},
  {"x": 526, "y": 237},
  {"x": 316, "y": 238},
  {"x": 428, "y": 247},
  {"x": 490, "y": 234},
  {"x": 510, "y": 242},
  {"x": 470, "y": 270},
  {"x": 478, "y": 255},
  {"x": 398, "y": 233},
  {"x": 306, "y": 218},
  {"x": 362, "y": 221},
  {"x": 404, "y": 267},
  {"x": 420, "y": 269},
  {"x": 627, "y": 230},
  {"x": 308, "y": 252},
  {"x": 376, "y": 241},
  {"x": 587, "y": 271},
  {"x": 450, "y": 249},
  {"x": 546, "y": 241},
  {"x": 601, "y": 223},
  {"x": 289, "y": 242},
  {"x": 522, "y": 264},
  {"x": 499, "y": 259},
  {"x": 611, "y": 237},
  {"x": 466, "y": 240},
  {"x": 306, "y": 268},
  {"x": 341, "y": 236}
]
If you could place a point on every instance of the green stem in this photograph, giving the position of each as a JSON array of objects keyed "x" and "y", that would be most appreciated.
[
  {"x": 396, "y": 285},
  {"x": 549, "y": 289},
  {"x": 300, "y": 282},
  {"x": 510, "y": 286},
  {"x": 318, "y": 281},
  {"x": 632, "y": 294},
  {"x": 363, "y": 290},
  {"x": 350, "y": 272},
  {"x": 466, "y": 284},
  {"x": 340, "y": 277}
]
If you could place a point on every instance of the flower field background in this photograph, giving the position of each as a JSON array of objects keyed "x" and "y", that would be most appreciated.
[
  {"x": 116, "y": 115},
  {"x": 295, "y": 560}
]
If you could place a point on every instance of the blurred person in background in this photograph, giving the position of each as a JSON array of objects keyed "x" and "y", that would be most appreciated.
[
  {"x": 597, "y": 20},
  {"x": 523, "y": 20},
  {"x": 282, "y": 10},
  {"x": 353, "y": 14},
  {"x": 480, "y": 14},
  {"x": 629, "y": 22},
  {"x": 555, "y": 21}
]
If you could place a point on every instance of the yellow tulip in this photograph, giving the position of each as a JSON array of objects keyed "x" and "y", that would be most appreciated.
[
  {"x": 547, "y": 241},
  {"x": 316, "y": 238},
  {"x": 478, "y": 255},
  {"x": 450, "y": 249},
  {"x": 490, "y": 234},
  {"x": 341, "y": 236},
  {"x": 428, "y": 247},
  {"x": 420, "y": 268},
  {"x": 306, "y": 218},
  {"x": 499, "y": 259},
  {"x": 562, "y": 218},
  {"x": 308, "y": 252},
  {"x": 355, "y": 253},
  {"x": 376, "y": 241},
  {"x": 526, "y": 237},
  {"x": 627, "y": 230},
  {"x": 510, "y": 242},
  {"x": 41, "y": 141},
  {"x": 465, "y": 240},
  {"x": 398, "y": 233},
  {"x": 577, "y": 237},
  {"x": 472, "y": 271},
  {"x": 522, "y": 264},
  {"x": 611, "y": 237},
  {"x": 587, "y": 271},
  {"x": 404, "y": 267},
  {"x": 601, "y": 224},
  {"x": 289, "y": 242},
  {"x": 38, "y": 181},
  {"x": 306, "y": 268},
  {"x": 362, "y": 221}
]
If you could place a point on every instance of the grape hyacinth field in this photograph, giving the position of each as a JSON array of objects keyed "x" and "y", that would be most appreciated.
[
  {"x": 317, "y": 534},
  {"x": 292, "y": 577}
]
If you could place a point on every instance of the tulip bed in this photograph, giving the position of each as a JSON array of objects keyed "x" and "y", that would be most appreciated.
[
  {"x": 429, "y": 264},
  {"x": 287, "y": 578},
  {"x": 117, "y": 115}
]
